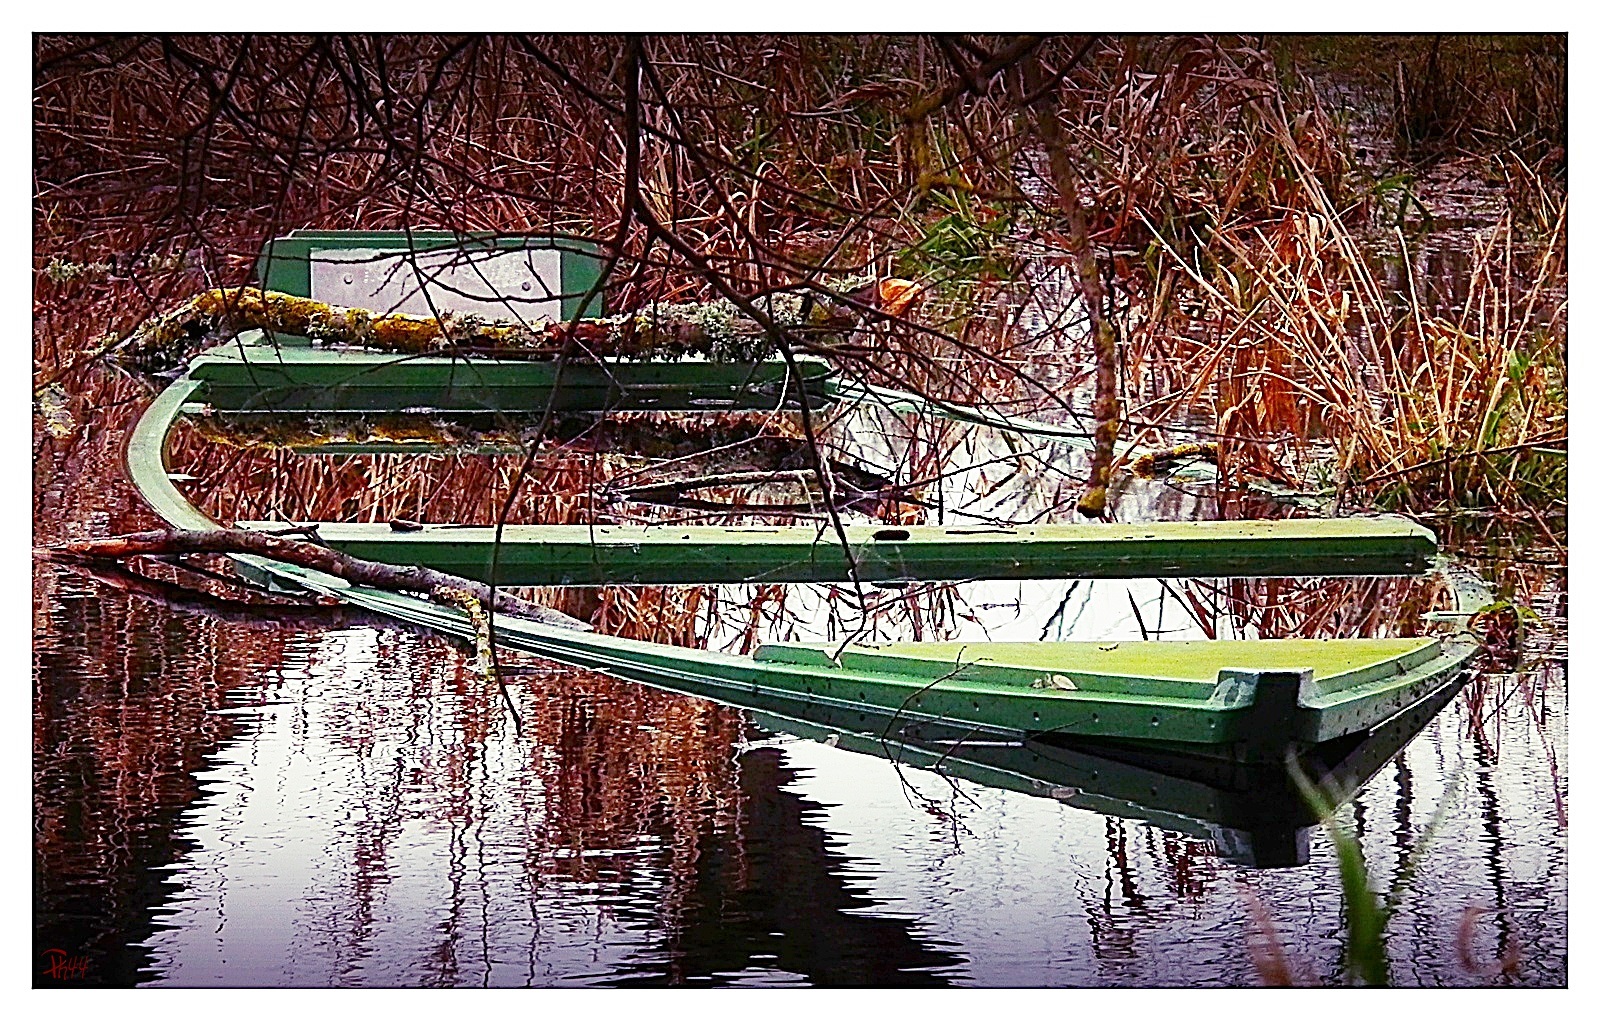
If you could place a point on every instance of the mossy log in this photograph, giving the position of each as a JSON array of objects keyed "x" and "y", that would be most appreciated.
[
  {"x": 484, "y": 645},
  {"x": 713, "y": 329},
  {"x": 1146, "y": 465}
]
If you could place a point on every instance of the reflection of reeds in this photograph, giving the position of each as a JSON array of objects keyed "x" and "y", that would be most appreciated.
[
  {"x": 1129, "y": 906},
  {"x": 1492, "y": 698},
  {"x": 1310, "y": 608},
  {"x": 125, "y": 696},
  {"x": 621, "y": 771},
  {"x": 1367, "y": 912},
  {"x": 1226, "y": 202},
  {"x": 124, "y": 720}
]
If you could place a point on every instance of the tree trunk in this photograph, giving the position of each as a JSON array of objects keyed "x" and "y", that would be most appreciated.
[{"x": 1107, "y": 409}]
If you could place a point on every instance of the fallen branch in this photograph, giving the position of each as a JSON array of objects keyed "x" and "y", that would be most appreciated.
[
  {"x": 714, "y": 329},
  {"x": 256, "y": 609},
  {"x": 485, "y": 642},
  {"x": 436, "y": 585}
]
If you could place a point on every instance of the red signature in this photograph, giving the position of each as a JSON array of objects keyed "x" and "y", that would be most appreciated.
[{"x": 63, "y": 966}]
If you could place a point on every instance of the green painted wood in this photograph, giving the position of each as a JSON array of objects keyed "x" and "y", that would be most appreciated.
[
  {"x": 1243, "y": 716},
  {"x": 580, "y": 275},
  {"x": 147, "y": 459},
  {"x": 1254, "y": 813},
  {"x": 257, "y": 376},
  {"x": 1186, "y": 669},
  {"x": 700, "y": 554},
  {"x": 285, "y": 262},
  {"x": 1255, "y": 709},
  {"x": 1306, "y": 690}
]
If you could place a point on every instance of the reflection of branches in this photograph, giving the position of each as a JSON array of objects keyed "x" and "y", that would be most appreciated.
[
  {"x": 702, "y": 179},
  {"x": 238, "y": 607}
]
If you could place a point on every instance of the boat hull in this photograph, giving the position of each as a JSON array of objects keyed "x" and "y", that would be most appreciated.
[{"x": 1250, "y": 707}]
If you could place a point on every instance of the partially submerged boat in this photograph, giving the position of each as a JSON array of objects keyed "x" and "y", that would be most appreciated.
[
  {"x": 1255, "y": 814},
  {"x": 1246, "y": 700}
]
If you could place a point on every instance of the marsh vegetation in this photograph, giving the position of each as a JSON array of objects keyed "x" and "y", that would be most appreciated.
[{"x": 1303, "y": 275}]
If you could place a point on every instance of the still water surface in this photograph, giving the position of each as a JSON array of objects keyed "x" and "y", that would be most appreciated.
[
  {"x": 225, "y": 800},
  {"x": 226, "y": 797}
]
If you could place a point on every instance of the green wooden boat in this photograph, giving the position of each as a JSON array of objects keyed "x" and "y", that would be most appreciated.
[
  {"x": 1242, "y": 700},
  {"x": 699, "y": 554},
  {"x": 293, "y": 377},
  {"x": 1253, "y": 813}
]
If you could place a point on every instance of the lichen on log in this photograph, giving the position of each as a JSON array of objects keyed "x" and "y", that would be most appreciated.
[
  {"x": 465, "y": 600},
  {"x": 715, "y": 329}
]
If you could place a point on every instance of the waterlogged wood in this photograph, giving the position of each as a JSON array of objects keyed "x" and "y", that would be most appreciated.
[
  {"x": 1256, "y": 815},
  {"x": 1305, "y": 691},
  {"x": 1146, "y": 465},
  {"x": 1252, "y": 711},
  {"x": 1174, "y": 668},
  {"x": 232, "y": 541}
]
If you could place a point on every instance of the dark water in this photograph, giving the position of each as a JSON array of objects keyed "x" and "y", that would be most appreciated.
[{"x": 225, "y": 799}]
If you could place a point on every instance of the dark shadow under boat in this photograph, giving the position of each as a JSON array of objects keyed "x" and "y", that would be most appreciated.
[{"x": 1254, "y": 813}]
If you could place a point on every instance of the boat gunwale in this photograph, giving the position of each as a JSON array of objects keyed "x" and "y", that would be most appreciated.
[{"x": 653, "y": 662}]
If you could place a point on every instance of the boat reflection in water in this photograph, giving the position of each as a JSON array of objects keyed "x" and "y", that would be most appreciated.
[{"x": 1255, "y": 813}]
